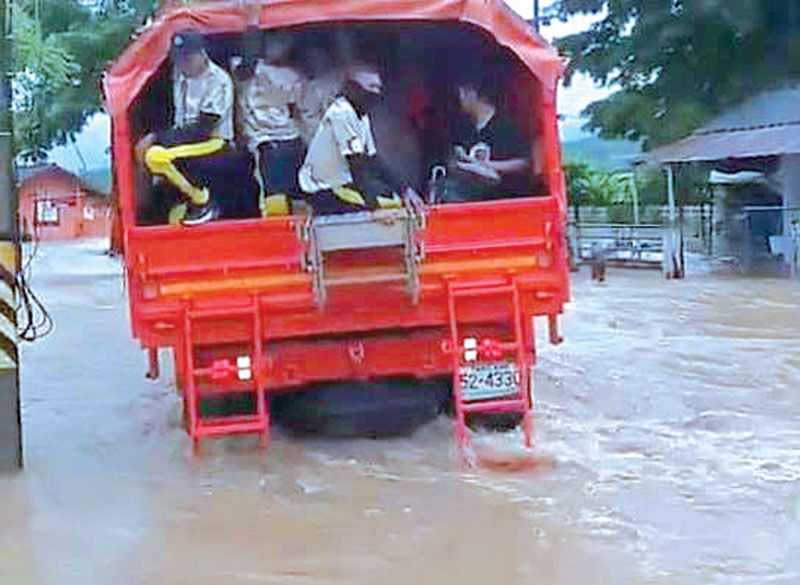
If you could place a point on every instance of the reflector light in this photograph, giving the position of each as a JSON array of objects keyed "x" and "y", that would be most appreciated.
[
  {"x": 491, "y": 349},
  {"x": 220, "y": 369}
]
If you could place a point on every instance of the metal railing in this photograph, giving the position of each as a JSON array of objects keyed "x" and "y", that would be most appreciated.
[{"x": 626, "y": 245}]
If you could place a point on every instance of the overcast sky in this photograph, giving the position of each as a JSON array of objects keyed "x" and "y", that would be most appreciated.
[{"x": 94, "y": 140}]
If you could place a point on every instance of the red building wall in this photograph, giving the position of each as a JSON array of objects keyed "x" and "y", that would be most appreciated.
[{"x": 55, "y": 205}]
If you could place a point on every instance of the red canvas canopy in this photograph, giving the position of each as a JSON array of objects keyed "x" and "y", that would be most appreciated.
[{"x": 132, "y": 71}]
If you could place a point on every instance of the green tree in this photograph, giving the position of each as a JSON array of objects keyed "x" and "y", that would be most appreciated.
[
  {"x": 62, "y": 48},
  {"x": 594, "y": 187},
  {"x": 679, "y": 62},
  {"x": 44, "y": 66}
]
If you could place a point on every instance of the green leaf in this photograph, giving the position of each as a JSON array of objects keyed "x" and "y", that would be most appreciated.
[{"x": 679, "y": 63}]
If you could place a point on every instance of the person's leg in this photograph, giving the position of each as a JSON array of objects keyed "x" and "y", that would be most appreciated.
[
  {"x": 279, "y": 163},
  {"x": 330, "y": 203},
  {"x": 372, "y": 194},
  {"x": 273, "y": 200},
  {"x": 161, "y": 161},
  {"x": 167, "y": 162},
  {"x": 243, "y": 177},
  {"x": 229, "y": 176}
]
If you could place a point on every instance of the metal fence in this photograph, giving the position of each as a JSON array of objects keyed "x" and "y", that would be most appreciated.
[{"x": 628, "y": 245}]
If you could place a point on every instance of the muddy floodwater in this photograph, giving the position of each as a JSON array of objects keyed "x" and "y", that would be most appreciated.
[{"x": 668, "y": 430}]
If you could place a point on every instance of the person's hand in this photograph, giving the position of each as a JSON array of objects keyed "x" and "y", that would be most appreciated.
[
  {"x": 415, "y": 204},
  {"x": 480, "y": 171},
  {"x": 413, "y": 198},
  {"x": 143, "y": 144},
  {"x": 461, "y": 154}
]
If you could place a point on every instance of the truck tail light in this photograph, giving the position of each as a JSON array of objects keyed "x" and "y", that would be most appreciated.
[
  {"x": 224, "y": 369},
  {"x": 490, "y": 349},
  {"x": 487, "y": 349},
  {"x": 470, "y": 349},
  {"x": 221, "y": 369},
  {"x": 245, "y": 366}
]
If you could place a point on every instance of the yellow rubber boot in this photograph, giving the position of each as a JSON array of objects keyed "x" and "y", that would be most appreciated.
[
  {"x": 276, "y": 204},
  {"x": 160, "y": 161},
  {"x": 350, "y": 196},
  {"x": 177, "y": 214},
  {"x": 393, "y": 202}
]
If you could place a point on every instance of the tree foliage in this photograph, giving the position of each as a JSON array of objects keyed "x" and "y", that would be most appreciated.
[
  {"x": 679, "y": 62},
  {"x": 62, "y": 48},
  {"x": 594, "y": 187}
]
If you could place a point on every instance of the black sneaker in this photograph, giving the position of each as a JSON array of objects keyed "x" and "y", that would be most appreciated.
[{"x": 200, "y": 214}]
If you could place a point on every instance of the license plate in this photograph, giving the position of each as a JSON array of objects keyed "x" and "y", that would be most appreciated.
[{"x": 489, "y": 381}]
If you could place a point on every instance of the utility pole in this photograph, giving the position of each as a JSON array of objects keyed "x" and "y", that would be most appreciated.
[
  {"x": 536, "y": 22},
  {"x": 10, "y": 420}
]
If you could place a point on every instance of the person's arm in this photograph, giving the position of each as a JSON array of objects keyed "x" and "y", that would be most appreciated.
[
  {"x": 511, "y": 161},
  {"x": 513, "y": 165},
  {"x": 386, "y": 174},
  {"x": 511, "y": 154},
  {"x": 200, "y": 130},
  {"x": 296, "y": 100},
  {"x": 359, "y": 168},
  {"x": 357, "y": 147},
  {"x": 371, "y": 174},
  {"x": 479, "y": 170}
]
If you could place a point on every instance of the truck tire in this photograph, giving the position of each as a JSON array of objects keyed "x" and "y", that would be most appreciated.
[{"x": 384, "y": 408}]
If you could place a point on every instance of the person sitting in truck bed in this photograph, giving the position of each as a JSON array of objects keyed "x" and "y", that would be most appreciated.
[
  {"x": 491, "y": 157},
  {"x": 268, "y": 89},
  {"x": 342, "y": 171},
  {"x": 202, "y": 131},
  {"x": 324, "y": 82}
]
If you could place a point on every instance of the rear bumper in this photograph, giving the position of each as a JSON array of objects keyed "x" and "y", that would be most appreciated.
[{"x": 291, "y": 365}]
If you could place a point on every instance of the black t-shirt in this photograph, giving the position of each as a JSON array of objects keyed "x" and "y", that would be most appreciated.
[{"x": 501, "y": 139}]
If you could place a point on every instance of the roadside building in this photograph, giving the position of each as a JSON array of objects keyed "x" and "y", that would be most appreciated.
[
  {"x": 752, "y": 158},
  {"x": 55, "y": 205}
]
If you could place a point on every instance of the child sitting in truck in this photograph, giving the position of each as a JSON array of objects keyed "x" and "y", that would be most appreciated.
[
  {"x": 201, "y": 134},
  {"x": 268, "y": 90},
  {"x": 491, "y": 157},
  {"x": 324, "y": 82},
  {"x": 342, "y": 171}
]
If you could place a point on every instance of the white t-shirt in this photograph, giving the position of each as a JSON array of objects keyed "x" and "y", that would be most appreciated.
[
  {"x": 263, "y": 105},
  {"x": 340, "y": 134},
  {"x": 209, "y": 93},
  {"x": 317, "y": 96}
]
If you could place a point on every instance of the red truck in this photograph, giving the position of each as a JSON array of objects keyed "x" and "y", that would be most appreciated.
[{"x": 280, "y": 307}]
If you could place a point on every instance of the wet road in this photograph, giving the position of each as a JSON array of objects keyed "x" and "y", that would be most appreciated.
[{"x": 669, "y": 427}]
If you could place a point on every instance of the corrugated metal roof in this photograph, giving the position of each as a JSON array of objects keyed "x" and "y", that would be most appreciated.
[
  {"x": 27, "y": 173},
  {"x": 30, "y": 173},
  {"x": 767, "y": 125}
]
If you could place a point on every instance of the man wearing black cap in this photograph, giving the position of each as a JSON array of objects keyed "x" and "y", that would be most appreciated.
[
  {"x": 342, "y": 171},
  {"x": 202, "y": 129}
]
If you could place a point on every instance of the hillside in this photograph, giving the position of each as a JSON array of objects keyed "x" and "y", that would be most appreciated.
[{"x": 607, "y": 154}]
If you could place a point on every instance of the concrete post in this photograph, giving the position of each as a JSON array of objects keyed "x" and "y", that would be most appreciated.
[
  {"x": 669, "y": 240},
  {"x": 10, "y": 422},
  {"x": 635, "y": 187},
  {"x": 673, "y": 265}
]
